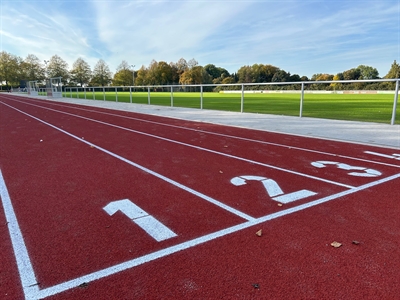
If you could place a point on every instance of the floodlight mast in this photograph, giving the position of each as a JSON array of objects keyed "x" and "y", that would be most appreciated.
[
  {"x": 133, "y": 74},
  {"x": 46, "y": 62}
]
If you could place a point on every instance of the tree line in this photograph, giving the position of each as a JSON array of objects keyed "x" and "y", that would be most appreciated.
[{"x": 14, "y": 69}]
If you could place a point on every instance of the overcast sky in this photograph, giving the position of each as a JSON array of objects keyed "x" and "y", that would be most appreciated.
[{"x": 302, "y": 37}]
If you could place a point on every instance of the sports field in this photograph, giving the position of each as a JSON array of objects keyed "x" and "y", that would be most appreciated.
[{"x": 355, "y": 107}]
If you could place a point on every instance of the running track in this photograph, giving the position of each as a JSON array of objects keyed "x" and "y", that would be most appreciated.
[{"x": 100, "y": 204}]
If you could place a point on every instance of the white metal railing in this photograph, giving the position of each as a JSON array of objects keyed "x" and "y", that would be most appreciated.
[{"x": 242, "y": 90}]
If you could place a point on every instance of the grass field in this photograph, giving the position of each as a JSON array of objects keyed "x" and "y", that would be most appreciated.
[{"x": 355, "y": 107}]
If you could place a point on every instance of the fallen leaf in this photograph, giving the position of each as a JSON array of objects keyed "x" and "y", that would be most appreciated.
[
  {"x": 83, "y": 285},
  {"x": 221, "y": 172},
  {"x": 280, "y": 204},
  {"x": 336, "y": 244},
  {"x": 256, "y": 285},
  {"x": 259, "y": 233},
  {"x": 356, "y": 242}
]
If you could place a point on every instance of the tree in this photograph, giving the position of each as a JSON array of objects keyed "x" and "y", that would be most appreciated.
[
  {"x": 9, "y": 68},
  {"x": 101, "y": 74},
  {"x": 263, "y": 73},
  {"x": 124, "y": 76},
  {"x": 217, "y": 73},
  {"x": 294, "y": 78},
  {"x": 338, "y": 76},
  {"x": 192, "y": 63},
  {"x": 181, "y": 66},
  {"x": 81, "y": 72},
  {"x": 57, "y": 67},
  {"x": 367, "y": 72},
  {"x": 394, "y": 71},
  {"x": 245, "y": 74},
  {"x": 281, "y": 76},
  {"x": 212, "y": 70},
  {"x": 304, "y": 78},
  {"x": 195, "y": 75},
  {"x": 32, "y": 69},
  {"x": 141, "y": 77},
  {"x": 352, "y": 74},
  {"x": 324, "y": 77}
]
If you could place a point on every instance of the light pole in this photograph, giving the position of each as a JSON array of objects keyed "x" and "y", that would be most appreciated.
[
  {"x": 46, "y": 62},
  {"x": 133, "y": 74},
  {"x": 45, "y": 75}
]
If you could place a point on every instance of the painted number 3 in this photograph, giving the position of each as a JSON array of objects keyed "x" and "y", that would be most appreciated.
[{"x": 355, "y": 171}]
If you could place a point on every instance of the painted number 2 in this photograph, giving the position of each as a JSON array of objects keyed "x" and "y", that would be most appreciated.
[
  {"x": 356, "y": 171},
  {"x": 273, "y": 189}
]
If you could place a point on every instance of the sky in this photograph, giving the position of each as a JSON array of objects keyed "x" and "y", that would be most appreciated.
[{"x": 303, "y": 37}]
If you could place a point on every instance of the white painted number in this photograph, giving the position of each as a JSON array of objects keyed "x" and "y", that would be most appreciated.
[
  {"x": 148, "y": 223},
  {"x": 273, "y": 189},
  {"x": 361, "y": 171},
  {"x": 393, "y": 156}
]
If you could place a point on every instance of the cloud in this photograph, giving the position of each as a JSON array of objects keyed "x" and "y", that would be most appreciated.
[
  {"x": 161, "y": 30},
  {"x": 303, "y": 37}
]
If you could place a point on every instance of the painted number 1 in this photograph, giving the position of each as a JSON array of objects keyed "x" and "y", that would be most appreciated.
[{"x": 273, "y": 189}]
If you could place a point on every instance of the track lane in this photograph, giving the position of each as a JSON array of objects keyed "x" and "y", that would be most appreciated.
[
  {"x": 202, "y": 282},
  {"x": 314, "y": 145},
  {"x": 202, "y": 171},
  {"x": 264, "y": 154},
  {"x": 65, "y": 184}
]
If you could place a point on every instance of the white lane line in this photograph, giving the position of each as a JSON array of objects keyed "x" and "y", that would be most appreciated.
[
  {"x": 25, "y": 269},
  {"x": 197, "y": 241},
  {"x": 162, "y": 177},
  {"x": 394, "y": 156},
  {"x": 195, "y": 147},
  {"x": 218, "y": 134}
]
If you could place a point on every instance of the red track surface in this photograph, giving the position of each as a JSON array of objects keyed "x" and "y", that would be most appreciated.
[{"x": 62, "y": 164}]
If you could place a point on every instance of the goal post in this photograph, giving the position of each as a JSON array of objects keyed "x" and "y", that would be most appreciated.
[
  {"x": 33, "y": 88},
  {"x": 54, "y": 87}
]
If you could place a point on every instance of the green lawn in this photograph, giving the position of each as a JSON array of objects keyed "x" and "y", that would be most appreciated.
[{"x": 356, "y": 107}]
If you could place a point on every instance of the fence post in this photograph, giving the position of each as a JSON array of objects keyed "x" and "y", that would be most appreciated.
[
  {"x": 130, "y": 94},
  {"x": 70, "y": 92},
  {"x": 84, "y": 91},
  {"x": 148, "y": 95},
  {"x": 201, "y": 97},
  {"x": 301, "y": 100},
  {"x": 116, "y": 95},
  {"x": 172, "y": 96},
  {"x": 104, "y": 93},
  {"x": 242, "y": 99},
  {"x": 396, "y": 97},
  {"x": 94, "y": 96},
  {"x": 77, "y": 93}
]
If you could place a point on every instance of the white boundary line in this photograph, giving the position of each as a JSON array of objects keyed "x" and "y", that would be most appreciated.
[
  {"x": 224, "y": 135},
  {"x": 25, "y": 269},
  {"x": 180, "y": 143}
]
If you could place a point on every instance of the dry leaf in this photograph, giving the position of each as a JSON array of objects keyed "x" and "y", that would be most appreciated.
[
  {"x": 256, "y": 285},
  {"x": 356, "y": 242},
  {"x": 336, "y": 244},
  {"x": 280, "y": 204},
  {"x": 221, "y": 172},
  {"x": 83, "y": 285},
  {"x": 259, "y": 233}
]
